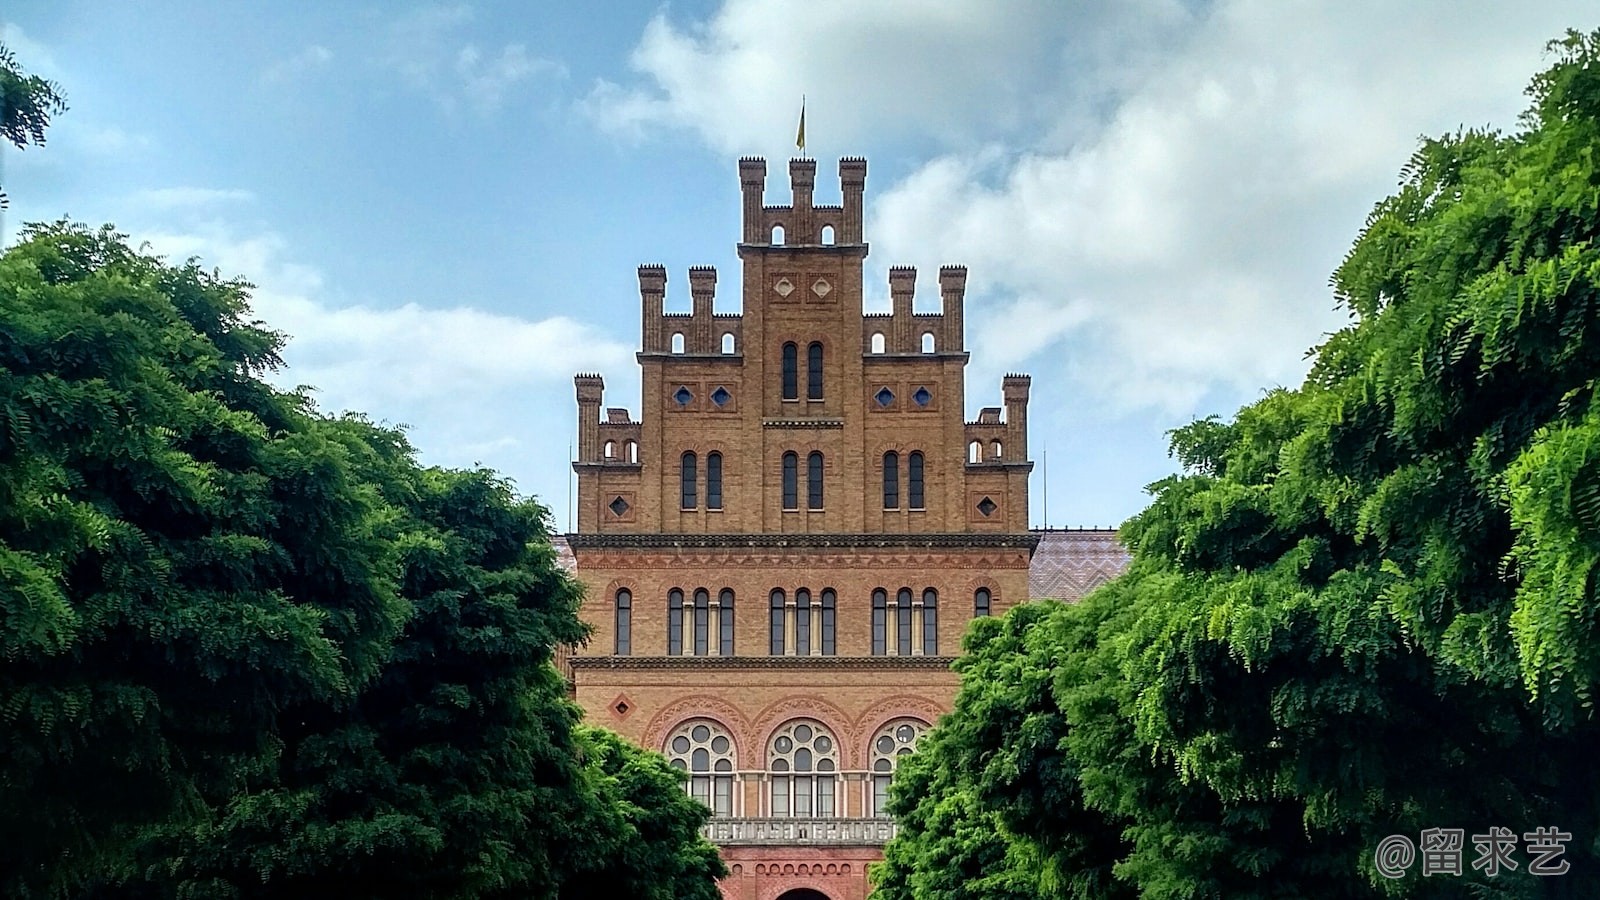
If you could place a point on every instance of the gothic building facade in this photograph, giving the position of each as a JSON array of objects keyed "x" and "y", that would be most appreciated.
[{"x": 782, "y": 551}]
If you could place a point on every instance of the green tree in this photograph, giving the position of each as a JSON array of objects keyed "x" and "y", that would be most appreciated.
[
  {"x": 26, "y": 104},
  {"x": 183, "y": 550},
  {"x": 1368, "y": 606}
]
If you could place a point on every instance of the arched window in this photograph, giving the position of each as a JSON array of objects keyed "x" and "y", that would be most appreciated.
[
  {"x": 611, "y": 449},
  {"x": 891, "y": 480},
  {"x": 814, "y": 480},
  {"x": 814, "y": 371},
  {"x": 894, "y": 742},
  {"x": 802, "y": 622},
  {"x": 914, "y": 479},
  {"x": 902, "y": 623},
  {"x": 727, "y": 344},
  {"x": 687, "y": 479},
  {"x": 880, "y": 621},
  {"x": 927, "y": 342},
  {"x": 702, "y": 621},
  {"x": 791, "y": 478},
  {"x": 981, "y": 601},
  {"x": 775, "y": 623},
  {"x": 713, "y": 480},
  {"x": 777, "y": 235},
  {"x": 674, "y": 622},
  {"x": 803, "y": 761},
  {"x": 877, "y": 342},
  {"x": 930, "y": 622},
  {"x": 725, "y": 623},
  {"x": 829, "y": 601},
  {"x": 677, "y": 343},
  {"x": 997, "y": 448},
  {"x": 975, "y": 452},
  {"x": 624, "y": 622},
  {"x": 791, "y": 377},
  {"x": 827, "y": 235},
  {"x": 632, "y": 449},
  {"x": 704, "y": 749}
]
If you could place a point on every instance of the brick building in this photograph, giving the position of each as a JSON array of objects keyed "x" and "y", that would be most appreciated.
[{"x": 783, "y": 550}]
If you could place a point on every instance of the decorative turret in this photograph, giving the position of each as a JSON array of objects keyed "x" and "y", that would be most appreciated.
[
  {"x": 590, "y": 389},
  {"x": 952, "y": 296},
  {"x": 804, "y": 223},
  {"x": 1014, "y": 390}
]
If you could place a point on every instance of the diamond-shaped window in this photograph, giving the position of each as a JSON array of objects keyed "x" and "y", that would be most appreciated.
[
  {"x": 619, "y": 507},
  {"x": 987, "y": 507},
  {"x": 821, "y": 288},
  {"x": 922, "y": 396},
  {"x": 683, "y": 396},
  {"x": 784, "y": 287},
  {"x": 720, "y": 396},
  {"x": 884, "y": 396}
]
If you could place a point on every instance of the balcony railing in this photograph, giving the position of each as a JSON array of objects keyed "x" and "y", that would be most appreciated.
[{"x": 853, "y": 832}]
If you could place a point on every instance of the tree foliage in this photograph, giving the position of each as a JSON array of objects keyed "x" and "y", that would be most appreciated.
[
  {"x": 250, "y": 651},
  {"x": 1368, "y": 606},
  {"x": 26, "y": 104}
]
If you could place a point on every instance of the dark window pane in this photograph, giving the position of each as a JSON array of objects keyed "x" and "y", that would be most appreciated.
[
  {"x": 791, "y": 384},
  {"x": 727, "y": 623},
  {"x": 776, "y": 624},
  {"x": 675, "y": 622},
  {"x": 814, "y": 481},
  {"x": 688, "y": 478},
  {"x": 713, "y": 481},
  {"x": 930, "y": 622},
  {"x": 791, "y": 477},
  {"x": 891, "y": 480},
  {"x": 828, "y": 603},
  {"x": 980, "y": 602},
  {"x": 624, "y": 622},
  {"x": 903, "y": 623},
  {"x": 802, "y": 622},
  {"x": 814, "y": 372},
  {"x": 880, "y": 617},
  {"x": 914, "y": 476},
  {"x": 702, "y": 618}
]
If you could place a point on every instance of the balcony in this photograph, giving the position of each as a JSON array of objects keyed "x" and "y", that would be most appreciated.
[{"x": 728, "y": 832}]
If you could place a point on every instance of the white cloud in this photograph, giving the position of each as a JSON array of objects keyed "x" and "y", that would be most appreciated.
[
  {"x": 426, "y": 48},
  {"x": 310, "y": 59}
]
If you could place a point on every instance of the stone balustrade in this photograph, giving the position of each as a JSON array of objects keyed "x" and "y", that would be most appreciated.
[{"x": 799, "y": 832}]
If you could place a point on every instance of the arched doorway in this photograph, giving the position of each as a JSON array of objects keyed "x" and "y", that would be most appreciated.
[{"x": 802, "y": 894}]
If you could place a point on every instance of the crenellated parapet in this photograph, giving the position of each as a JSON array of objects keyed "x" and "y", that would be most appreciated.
[
  {"x": 699, "y": 332},
  {"x": 997, "y": 437},
  {"x": 904, "y": 332},
  {"x": 803, "y": 223}
]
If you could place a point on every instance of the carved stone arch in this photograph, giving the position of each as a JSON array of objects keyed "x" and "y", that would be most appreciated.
[
  {"x": 881, "y": 713},
  {"x": 720, "y": 711},
  {"x": 769, "y": 720},
  {"x": 980, "y": 581}
]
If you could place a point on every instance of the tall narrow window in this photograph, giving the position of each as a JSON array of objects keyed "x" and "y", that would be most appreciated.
[
  {"x": 814, "y": 371},
  {"x": 713, "y": 480},
  {"x": 914, "y": 479},
  {"x": 702, "y": 620},
  {"x": 624, "y": 622},
  {"x": 791, "y": 479},
  {"x": 930, "y": 622},
  {"x": 791, "y": 379},
  {"x": 903, "y": 623},
  {"x": 829, "y": 601},
  {"x": 674, "y": 622},
  {"x": 802, "y": 622},
  {"x": 814, "y": 480},
  {"x": 980, "y": 602},
  {"x": 891, "y": 480},
  {"x": 775, "y": 623},
  {"x": 880, "y": 621},
  {"x": 688, "y": 480},
  {"x": 726, "y": 623}
]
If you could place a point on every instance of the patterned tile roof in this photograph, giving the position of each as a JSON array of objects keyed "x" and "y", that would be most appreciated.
[
  {"x": 1069, "y": 564},
  {"x": 564, "y": 556}
]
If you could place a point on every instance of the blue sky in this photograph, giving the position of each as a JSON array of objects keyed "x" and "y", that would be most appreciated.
[{"x": 444, "y": 205}]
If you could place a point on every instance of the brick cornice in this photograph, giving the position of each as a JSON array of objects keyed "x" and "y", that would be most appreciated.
[
  {"x": 724, "y": 663},
  {"x": 593, "y": 541}
]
